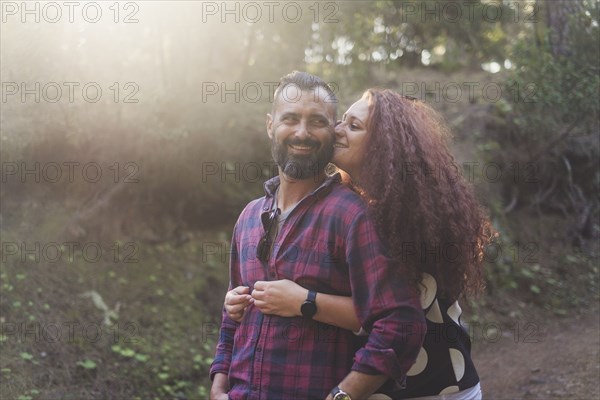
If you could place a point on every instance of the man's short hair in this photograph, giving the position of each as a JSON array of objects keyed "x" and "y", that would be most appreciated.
[{"x": 305, "y": 82}]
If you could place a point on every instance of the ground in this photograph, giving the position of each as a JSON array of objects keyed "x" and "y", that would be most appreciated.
[{"x": 551, "y": 358}]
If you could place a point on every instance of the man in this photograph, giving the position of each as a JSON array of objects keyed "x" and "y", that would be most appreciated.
[{"x": 311, "y": 229}]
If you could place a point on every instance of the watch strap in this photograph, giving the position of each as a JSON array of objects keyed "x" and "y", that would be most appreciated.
[
  {"x": 337, "y": 391},
  {"x": 309, "y": 307}
]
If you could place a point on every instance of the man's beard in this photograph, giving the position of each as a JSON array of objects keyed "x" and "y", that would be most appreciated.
[{"x": 302, "y": 166}]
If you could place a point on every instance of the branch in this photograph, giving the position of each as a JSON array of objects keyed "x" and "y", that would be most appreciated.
[{"x": 556, "y": 141}]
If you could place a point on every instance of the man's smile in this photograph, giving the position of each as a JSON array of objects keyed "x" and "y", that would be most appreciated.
[{"x": 302, "y": 148}]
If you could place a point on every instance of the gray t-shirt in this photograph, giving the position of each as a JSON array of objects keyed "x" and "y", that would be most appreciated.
[{"x": 281, "y": 217}]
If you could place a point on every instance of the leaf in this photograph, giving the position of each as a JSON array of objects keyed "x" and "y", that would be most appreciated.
[
  {"x": 26, "y": 356},
  {"x": 141, "y": 357},
  {"x": 109, "y": 315},
  {"x": 96, "y": 299},
  {"x": 534, "y": 289},
  {"x": 571, "y": 258},
  {"x": 163, "y": 376},
  {"x": 127, "y": 353},
  {"x": 527, "y": 273},
  {"x": 87, "y": 364}
]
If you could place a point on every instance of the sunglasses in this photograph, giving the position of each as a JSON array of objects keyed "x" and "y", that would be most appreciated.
[{"x": 263, "y": 250}]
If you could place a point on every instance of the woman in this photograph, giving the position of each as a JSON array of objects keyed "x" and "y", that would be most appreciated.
[{"x": 394, "y": 150}]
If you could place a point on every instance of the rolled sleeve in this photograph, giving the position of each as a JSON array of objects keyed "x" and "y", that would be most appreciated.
[{"x": 387, "y": 306}]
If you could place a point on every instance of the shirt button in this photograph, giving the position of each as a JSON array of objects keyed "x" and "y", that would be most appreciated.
[
  {"x": 258, "y": 349},
  {"x": 273, "y": 274}
]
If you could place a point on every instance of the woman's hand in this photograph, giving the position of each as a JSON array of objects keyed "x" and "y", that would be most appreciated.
[
  {"x": 283, "y": 297},
  {"x": 236, "y": 302}
]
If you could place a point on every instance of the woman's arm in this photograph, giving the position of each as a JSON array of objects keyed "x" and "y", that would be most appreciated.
[{"x": 285, "y": 297}]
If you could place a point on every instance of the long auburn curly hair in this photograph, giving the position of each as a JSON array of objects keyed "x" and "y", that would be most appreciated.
[{"x": 424, "y": 209}]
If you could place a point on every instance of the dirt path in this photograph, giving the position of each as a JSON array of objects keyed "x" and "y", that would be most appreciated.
[{"x": 557, "y": 359}]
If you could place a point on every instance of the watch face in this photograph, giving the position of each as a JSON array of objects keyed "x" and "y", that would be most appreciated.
[
  {"x": 308, "y": 309},
  {"x": 341, "y": 396}
]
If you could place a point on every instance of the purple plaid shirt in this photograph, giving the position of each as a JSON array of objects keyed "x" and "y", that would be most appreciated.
[{"x": 327, "y": 244}]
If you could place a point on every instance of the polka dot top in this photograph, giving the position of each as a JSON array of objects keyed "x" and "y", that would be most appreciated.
[{"x": 444, "y": 364}]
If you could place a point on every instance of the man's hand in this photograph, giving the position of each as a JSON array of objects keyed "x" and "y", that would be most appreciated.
[
  {"x": 236, "y": 302},
  {"x": 283, "y": 297},
  {"x": 220, "y": 387}
]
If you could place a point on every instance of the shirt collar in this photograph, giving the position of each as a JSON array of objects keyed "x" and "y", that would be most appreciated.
[{"x": 272, "y": 184}]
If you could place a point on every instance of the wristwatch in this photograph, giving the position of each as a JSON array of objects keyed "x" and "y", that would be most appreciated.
[
  {"x": 339, "y": 394},
  {"x": 309, "y": 307}
]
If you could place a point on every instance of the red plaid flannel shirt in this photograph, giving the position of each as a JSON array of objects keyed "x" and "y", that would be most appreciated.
[{"x": 327, "y": 244}]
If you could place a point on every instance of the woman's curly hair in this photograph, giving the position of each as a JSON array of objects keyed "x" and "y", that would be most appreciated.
[{"x": 424, "y": 209}]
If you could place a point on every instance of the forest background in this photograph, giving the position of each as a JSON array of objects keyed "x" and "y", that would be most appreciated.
[{"x": 132, "y": 135}]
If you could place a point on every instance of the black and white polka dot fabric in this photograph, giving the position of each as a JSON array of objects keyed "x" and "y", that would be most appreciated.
[{"x": 444, "y": 364}]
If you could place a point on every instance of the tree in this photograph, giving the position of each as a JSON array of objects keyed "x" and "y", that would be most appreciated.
[{"x": 558, "y": 13}]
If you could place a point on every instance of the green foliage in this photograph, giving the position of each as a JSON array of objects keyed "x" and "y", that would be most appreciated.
[
  {"x": 534, "y": 264},
  {"x": 397, "y": 33},
  {"x": 87, "y": 364},
  {"x": 556, "y": 91},
  {"x": 547, "y": 135},
  {"x": 553, "y": 93},
  {"x": 548, "y": 125},
  {"x": 160, "y": 345}
]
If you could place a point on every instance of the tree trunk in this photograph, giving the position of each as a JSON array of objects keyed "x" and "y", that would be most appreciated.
[{"x": 558, "y": 13}]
